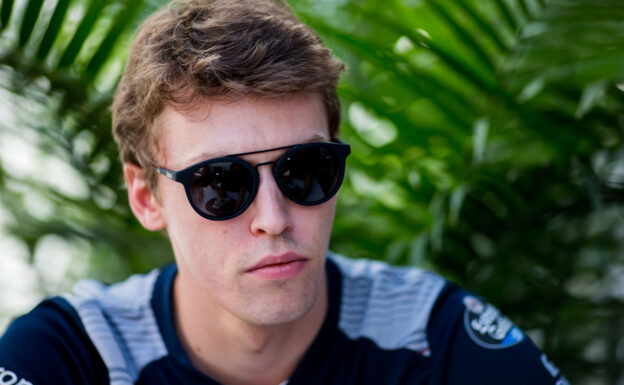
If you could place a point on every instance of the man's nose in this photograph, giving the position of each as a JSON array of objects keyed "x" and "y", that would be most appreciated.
[{"x": 269, "y": 208}]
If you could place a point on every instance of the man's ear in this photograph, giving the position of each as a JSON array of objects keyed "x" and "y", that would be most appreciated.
[{"x": 143, "y": 203}]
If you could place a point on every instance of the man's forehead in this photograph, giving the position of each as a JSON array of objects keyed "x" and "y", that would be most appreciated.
[
  {"x": 199, "y": 108},
  {"x": 239, "y": 126},
  {"x": 215, "y": 154}
]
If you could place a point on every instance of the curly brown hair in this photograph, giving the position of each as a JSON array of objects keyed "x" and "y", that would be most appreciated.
[{"x": 208, "y": 49}]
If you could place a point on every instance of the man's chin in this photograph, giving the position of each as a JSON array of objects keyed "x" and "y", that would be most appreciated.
[
  {"x": 285, "y": 304},
  {"x": 280, "y": 312}
]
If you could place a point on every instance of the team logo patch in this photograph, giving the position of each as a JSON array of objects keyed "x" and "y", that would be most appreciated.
[{"x": 487, "y": 327}]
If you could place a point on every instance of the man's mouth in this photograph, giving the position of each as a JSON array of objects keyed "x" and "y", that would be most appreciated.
[{"x": 283, "y": 266}]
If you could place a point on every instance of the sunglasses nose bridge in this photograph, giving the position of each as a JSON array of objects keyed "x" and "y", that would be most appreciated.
[
  {"x": 264, "y": 164},
  {"x": 272, "y": 162},
  {"x": 276, "y": 177}
]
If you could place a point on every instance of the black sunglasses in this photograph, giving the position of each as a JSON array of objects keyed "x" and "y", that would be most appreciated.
[{"x": 222, "y": 188}]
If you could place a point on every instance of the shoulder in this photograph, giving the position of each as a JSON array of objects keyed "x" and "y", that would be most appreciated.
[
  {"x": 49, "y": 345},
  {"x": 473, "y": 342},
  {"x": 120, "y": 322},
  {"x": 98, "y": 332},
  {"x": 465, "y": 339},
  {"x": 387, "y": 304}
]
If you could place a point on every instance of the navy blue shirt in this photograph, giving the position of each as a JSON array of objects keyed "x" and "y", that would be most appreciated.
[{"x": 385, "y": 325}]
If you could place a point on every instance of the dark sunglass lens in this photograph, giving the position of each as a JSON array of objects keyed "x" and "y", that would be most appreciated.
[
  {"x": 310, "y": 175},
  {"x": 221, "y": 189}
]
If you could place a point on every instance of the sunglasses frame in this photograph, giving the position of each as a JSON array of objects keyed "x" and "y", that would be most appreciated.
[{"x": 340, "y": 148}]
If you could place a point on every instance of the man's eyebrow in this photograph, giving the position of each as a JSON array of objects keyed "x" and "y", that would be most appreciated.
[
  {"x": 211, "y": 155},
  {"x": 316, "y": 138},
  {"x": 200, "y": 158}
]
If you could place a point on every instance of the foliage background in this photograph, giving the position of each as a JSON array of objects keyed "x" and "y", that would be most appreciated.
[{"x": 487, "y": 146}]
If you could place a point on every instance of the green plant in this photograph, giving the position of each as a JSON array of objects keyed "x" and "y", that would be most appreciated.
[{"x": 487, "y": 143}]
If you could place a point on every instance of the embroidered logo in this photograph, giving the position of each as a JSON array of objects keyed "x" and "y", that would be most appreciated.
[{"x": 487, "y": 327}]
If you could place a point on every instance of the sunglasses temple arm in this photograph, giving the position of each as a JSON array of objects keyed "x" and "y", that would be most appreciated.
[{"x": 168, "y": 173}]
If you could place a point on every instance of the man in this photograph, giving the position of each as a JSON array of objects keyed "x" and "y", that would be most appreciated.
[{"x": 226, "y": 120}]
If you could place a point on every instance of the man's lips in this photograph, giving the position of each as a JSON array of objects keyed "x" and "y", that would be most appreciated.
[
  {"x": 279, "y": 267},
  {"x": 277, "y": 260}
]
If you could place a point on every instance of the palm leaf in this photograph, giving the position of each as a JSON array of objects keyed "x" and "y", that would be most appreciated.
[
  {"x": 5, "y": 12},
  {"x": 30, "y": 18},
  {"x": 81, "y": 34},
  {"x": 125, "y": 16},
  {"x": 52, "y": 31}
]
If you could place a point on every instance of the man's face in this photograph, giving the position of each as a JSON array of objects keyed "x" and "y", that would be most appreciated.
[{"x": 215, "y": 258}]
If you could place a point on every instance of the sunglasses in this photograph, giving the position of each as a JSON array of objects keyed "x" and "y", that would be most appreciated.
[{"x": 222, "y": 188}]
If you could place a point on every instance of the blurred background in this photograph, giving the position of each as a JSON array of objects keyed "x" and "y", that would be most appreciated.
[{"x": 487, "y": 141}]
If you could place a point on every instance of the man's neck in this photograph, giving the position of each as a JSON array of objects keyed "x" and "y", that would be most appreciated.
[{"x": 235, "y": 352}]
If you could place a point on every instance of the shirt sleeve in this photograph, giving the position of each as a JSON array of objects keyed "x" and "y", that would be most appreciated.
[
  {"x": 471, "y": 342},
  {"x": 49, "y": 346}
]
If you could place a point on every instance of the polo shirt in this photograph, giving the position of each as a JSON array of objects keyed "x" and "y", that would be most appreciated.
[{"x": 385, "y": 325}]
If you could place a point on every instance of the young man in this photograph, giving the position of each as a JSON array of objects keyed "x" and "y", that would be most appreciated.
[{"x": 226, "y": 120}]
